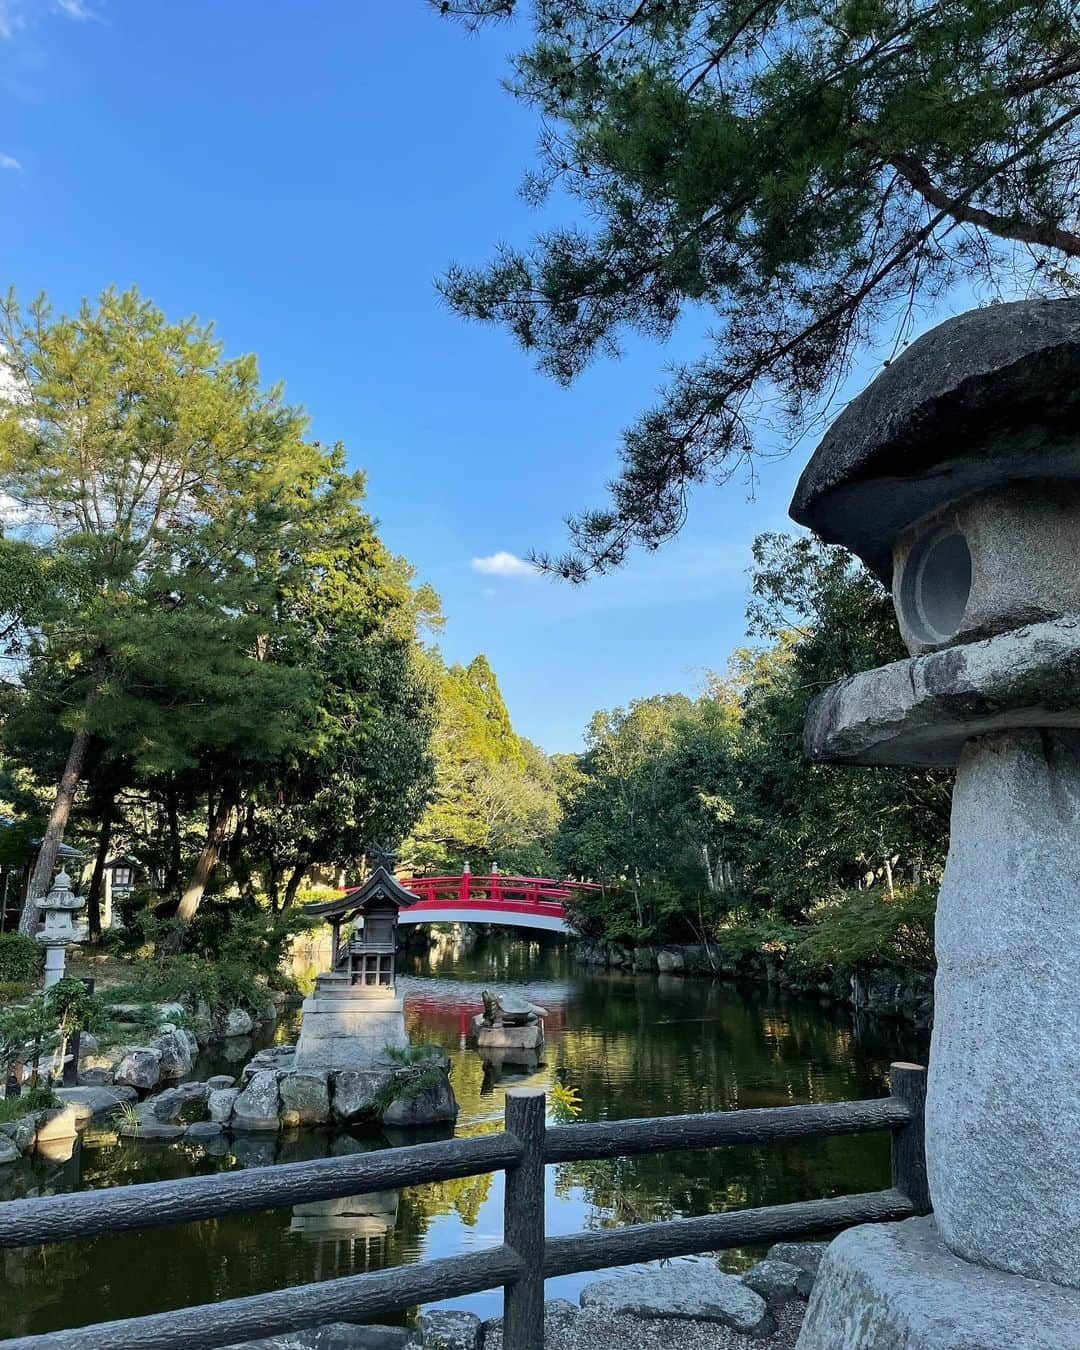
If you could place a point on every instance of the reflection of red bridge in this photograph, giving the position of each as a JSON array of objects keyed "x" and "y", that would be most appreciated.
[{"x": 520, "y": 902}]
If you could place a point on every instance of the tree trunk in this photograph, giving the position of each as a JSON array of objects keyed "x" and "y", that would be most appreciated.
[
  {"x": 206, "y": 861},
  {"x": 93, "y": 899},
  {"x": 41, "y": 880},
  {"x": 294, "y": 883},
  {"x": 172, "y": 819}
]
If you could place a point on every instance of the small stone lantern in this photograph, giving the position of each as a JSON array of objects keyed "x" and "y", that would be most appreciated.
[
  {"x": 59, "y": 908},
  {"x": 956, "y": 478}
]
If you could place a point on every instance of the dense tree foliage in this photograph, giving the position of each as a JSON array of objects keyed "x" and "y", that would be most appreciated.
[
  {"x": 803, "y": 174},
  {"x": 205, "y": 631},
  {"x": 703, "y": 817},
  {"x": 494, "y": 800}
]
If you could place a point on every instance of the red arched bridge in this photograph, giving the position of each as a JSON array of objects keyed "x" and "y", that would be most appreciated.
[{"x": 519, "y": 902}]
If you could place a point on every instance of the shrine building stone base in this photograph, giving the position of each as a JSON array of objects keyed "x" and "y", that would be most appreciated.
[
  {"x": 896, "y": 1286},
  {"x": 346, "y": 1026}
]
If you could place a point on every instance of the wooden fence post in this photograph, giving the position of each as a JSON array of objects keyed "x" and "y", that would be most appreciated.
[
  {"x": 524, "y": 1221},
  {"x": 908, "y": 1085}
]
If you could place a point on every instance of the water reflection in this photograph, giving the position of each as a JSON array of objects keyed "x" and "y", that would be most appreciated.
[{"x": 631, "y": 1046}]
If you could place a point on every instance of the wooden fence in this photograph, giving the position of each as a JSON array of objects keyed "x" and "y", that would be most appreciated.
[{"x": 526, "y": 1256}]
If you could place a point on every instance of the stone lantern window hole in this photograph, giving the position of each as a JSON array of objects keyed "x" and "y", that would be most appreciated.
[{"x": 936, "y": 585}]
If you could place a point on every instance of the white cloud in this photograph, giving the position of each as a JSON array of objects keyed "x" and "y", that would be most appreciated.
[
  {"x": 13, "y": 14},
  {"x": 9, "y": 162},
  {"x": 503, "y": 564}
]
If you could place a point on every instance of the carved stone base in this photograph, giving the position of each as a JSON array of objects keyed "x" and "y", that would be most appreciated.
[
  {"x": 345, "y": 1026},
  {"x": 896, "y": 1286}
]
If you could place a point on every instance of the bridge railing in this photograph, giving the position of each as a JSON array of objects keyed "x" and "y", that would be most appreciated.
[
  {"x": 496, "y": 886},
  {"x": 524, "y": 1258}
]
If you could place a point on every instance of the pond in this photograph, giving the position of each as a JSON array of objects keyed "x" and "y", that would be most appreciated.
[{"x": 630, "y": 1045}]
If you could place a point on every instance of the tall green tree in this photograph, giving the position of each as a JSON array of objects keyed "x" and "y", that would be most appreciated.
[
  {"x": 181, "y": 501},
  {"x": 804, "y": 174}
]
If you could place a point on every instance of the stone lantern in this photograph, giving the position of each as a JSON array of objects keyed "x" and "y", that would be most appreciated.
[
  {"x": 59, "y": 908},
  {"x": 956, "y": 478}
]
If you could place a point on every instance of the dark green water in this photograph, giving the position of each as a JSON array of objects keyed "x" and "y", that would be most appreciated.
[{"x": 630, "y": 1045}]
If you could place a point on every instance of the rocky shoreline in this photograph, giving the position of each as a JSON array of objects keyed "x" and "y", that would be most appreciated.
[
  {"x": 906, "y": 995},
  {"x": 690, "y": 1303}
]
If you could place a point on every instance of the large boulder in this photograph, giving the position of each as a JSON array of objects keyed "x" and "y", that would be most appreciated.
[
  {"x": 178, "y": 1048},
  {"x": 305, "y": 1098},
  {"x": 139, "y": 1068},
  {"x": 256, "y": 1108},
  {"x": 357, "y": 1093},
  {"x": 184, "y": 1104},
  {"x": 9, "y": 1151},
  {"x": 669, "y": 960},
  {"x": 692, "y": 1290},
  {"x": 424, "y": 1099},
  {"x": 806, "y": 1255}
]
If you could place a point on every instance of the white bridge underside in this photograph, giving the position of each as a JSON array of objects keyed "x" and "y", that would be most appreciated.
[{"x": 547, "y": 923}]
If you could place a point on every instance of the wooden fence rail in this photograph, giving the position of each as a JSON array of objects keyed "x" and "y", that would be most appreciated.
[{"x": 525, "y": 1258}]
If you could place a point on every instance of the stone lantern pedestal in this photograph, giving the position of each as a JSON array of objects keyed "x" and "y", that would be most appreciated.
[{"x": 956, "y": 477}]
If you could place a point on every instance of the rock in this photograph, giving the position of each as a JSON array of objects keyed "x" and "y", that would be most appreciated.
[
  {"x": 94, "y": 1101},
  {"x": 88, "y": 1044},
  {"x": 95, "y": 1077},
  {"x": 775, "y": 1281},
  {"x": 9, "y": 1151},
  {"x": 256, "y": 1108},
  {"x": 450, "y": 1329},
  {"x": 204, "y": 1129},
  {"x": 57, "y": 1123},
  {"x": 202, "y": 1022},
  {"x": 356, "y": 1092},
  {"x": 423, "y": 1103},
  {"x": 806, "y": 1255},
  {"x": 151, "y": 1131},
  {"x": 434, "y": 1055},
  {"x": 268, "y": 1010},
  {"x": 336, "y": 1336},
  {"x": 178, "y": 1048},
  {"x": 697, "y": 1291},
  {"x": 177, "y": 1105},
  {"x": 238, "y": 1022},
  {"x": 668, "y": 961},
  {"x": 139, "y": 1068},
  {"x": 305, "y": 1099},
  {"x": 893, "y": 1285},
  {"x": 21, "y": 1132},
  {"x": 528, "y": 1037},
  {"x": 219, "y": 1081},
  {"x": 220, "y": 1104}
]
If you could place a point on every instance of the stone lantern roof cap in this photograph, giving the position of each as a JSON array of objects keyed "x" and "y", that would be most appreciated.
[{"x": 988, "y": 397}]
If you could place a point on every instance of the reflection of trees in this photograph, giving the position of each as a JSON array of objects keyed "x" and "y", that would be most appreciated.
[{"x": 462, "y": 1196}]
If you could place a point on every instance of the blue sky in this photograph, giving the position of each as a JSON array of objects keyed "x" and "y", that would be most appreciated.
[{"x": 301, "y": 173}]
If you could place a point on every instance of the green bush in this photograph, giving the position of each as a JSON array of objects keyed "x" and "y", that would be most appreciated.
[
  {"x": 864, "y": 930},
  {"x": 37, "y": 1099},
  {"x": 20, "y": 958},
  {"x": 223, "y": 984},
  {"x": 13, "y": 991}
]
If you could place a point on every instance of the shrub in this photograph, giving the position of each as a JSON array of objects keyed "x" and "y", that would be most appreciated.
[
  {"x": 861, "y": 930},
  {"x": 37, "y": 1099},
  {"x": 20, "y": 958},
  {"x": 13, "y": 991},
  {"x": 223, "y": 984}
]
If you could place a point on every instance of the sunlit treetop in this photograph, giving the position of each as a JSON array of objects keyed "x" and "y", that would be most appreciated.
[{"x": 807, "y": 175}]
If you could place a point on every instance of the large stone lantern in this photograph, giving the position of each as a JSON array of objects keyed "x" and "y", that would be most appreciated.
[
  {"x": 956, "y": 478},
  {"x": 59, "y": 929}
]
